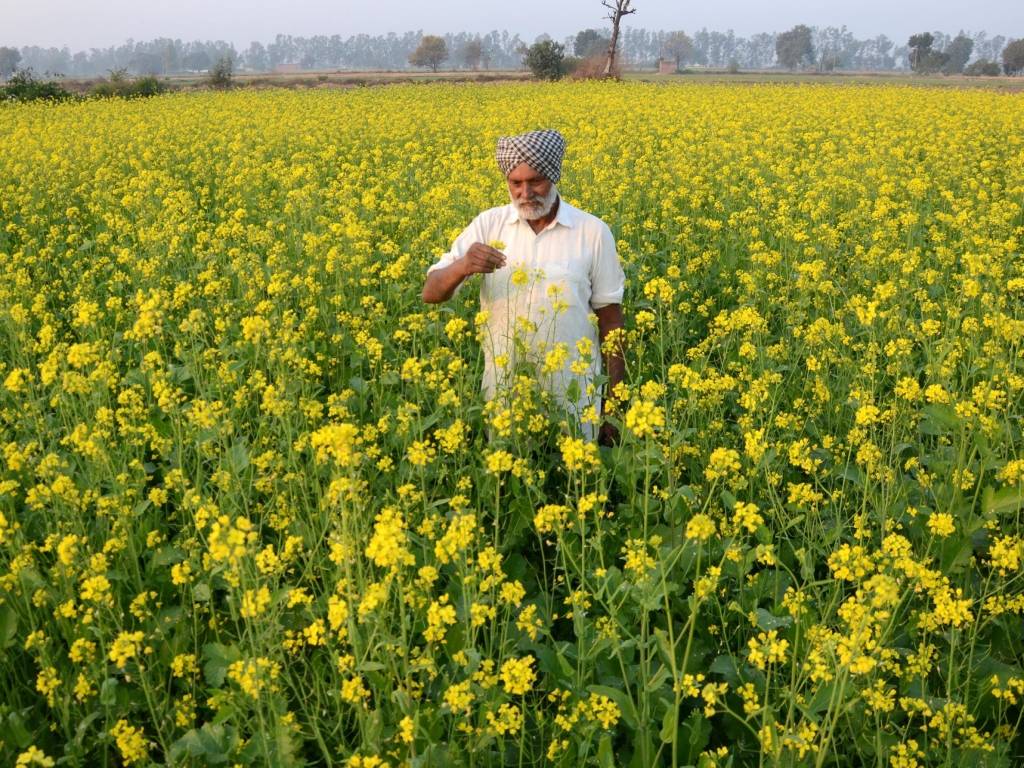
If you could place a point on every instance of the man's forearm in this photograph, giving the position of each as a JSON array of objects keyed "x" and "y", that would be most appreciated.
[
  {"x": 440, "y": 284},
  {"x": 610, "y": 322},
  {"x": 615, "y": 365}
]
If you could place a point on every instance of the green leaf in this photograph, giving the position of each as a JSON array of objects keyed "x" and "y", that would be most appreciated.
[
  {"x": 669, "y": 726},
  {"x": 564, "y": 666},
  {"x": 13, "y": 729},
  {"x": 218, "y": 659},
  {"x": 623, "y": 701},
  {"x": 82, "y": 726},
  {"x": 213, "y": 743},
  {"x": 605, "y": 756},
  {"x": 851, "y": 473},
  {"x": 768, "y": 621},
  {"x": 1002, "y": 501},
  {"x": 698, "y": 730},
  {"x": 643, "y": 750},
  {"x": 237, "y": 458},
  {"x": 108, "y": 692},
  {"x": 167, "y": 556},
  {"x": 727, "y": 667},
  {"x": 665, "y": 647},
  {"x": 938, "y": 419},
  {"x": 201, "y": 592},
  {"x": 956, "y": 554},
  {"x": 658, "y": 678},
  {"x": 455, "y": 640},
  {"x": 572, "y": 392},
  {"x": 285, "y": 748},
  {"x": 822, "y": 698},
  {"x": 8, "y": 626},
  {"x": 188, "y": 745}
]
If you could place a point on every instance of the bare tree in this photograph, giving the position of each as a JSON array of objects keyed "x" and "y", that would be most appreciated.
[
  {"x": 617, "y": 9},
  {"x": 472, "y": 53},
  {"x": 678, "y": 46}
]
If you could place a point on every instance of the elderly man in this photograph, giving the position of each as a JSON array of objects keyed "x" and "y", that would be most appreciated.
[{"x": 547, "y": 268}]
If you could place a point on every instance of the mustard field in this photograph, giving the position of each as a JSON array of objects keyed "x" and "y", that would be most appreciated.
[{"x": 255, "y": 511}]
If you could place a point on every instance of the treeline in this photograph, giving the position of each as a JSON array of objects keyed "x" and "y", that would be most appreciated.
[{"x": 834, "y": 49}]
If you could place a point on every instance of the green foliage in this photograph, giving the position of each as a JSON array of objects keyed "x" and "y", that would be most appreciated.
[
  {"x": 982, "y": 67},
  {"x": 922, "y": 57},
  {"x": 25, "y": 86},
  {"x": 472, "y": 54},
  {"x": 222, "y": 73},
  {"x": 795, "y": 47},
  {"x": 1013, "y": 57},
  {"x": 590, "y": 42},
  {"x": 432, "y": 52},
  {"x": 957, "y": 53},
  {"x": 546, "y": 60},
  {"x": 9, "y": 58},
  {"x": 122, "y": 87},
  {"x": 920, "y": 47}
]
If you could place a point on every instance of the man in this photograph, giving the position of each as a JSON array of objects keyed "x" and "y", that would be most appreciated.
[{"x": 546, "y": 266}]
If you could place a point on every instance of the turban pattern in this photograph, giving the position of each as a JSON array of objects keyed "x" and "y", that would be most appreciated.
[{"x": 541, "y": 150}]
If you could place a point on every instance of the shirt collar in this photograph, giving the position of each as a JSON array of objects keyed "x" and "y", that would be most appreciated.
[{"x": 565, "y": 216}]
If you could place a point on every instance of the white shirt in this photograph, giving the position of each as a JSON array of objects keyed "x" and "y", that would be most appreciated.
[{"x": 569, "y": 268}]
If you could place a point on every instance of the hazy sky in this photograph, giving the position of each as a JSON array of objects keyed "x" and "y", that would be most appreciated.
[{"x": 89, "y": 23}]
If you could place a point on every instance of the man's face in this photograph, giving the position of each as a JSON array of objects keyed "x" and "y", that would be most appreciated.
[{"x": 531, "y": 192}]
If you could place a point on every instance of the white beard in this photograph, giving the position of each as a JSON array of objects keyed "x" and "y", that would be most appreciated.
[{"x": 539, "y": 211}]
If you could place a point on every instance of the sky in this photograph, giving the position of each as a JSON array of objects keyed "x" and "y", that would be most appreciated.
[{"x": 90, "y": 23}]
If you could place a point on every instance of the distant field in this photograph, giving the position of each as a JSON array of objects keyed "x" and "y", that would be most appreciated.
[
  {"x": 867, "y": 78},
  {"x": 340, "y": 78},
  {"x": 328, "y": 78}
]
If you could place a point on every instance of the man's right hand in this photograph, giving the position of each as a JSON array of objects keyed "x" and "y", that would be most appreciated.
[{"x": 481, "y": 258}]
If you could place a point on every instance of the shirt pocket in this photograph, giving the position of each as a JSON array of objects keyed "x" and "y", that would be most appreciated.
[{"x": 567, "y": 279}]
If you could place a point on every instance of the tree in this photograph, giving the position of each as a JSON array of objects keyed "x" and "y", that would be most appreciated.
[
  {"x": 143, "y": 63},
  {"x": 982, "y": 67},
  {"x": 25, "y": 86},
  {"x": 679, "y": 47},
  {"x": 430, "y": 53},
  {"x": 921, "y": 55},
  {"x": 222, "y": 72},
  {"x": 196, "y": 61},
  {"x": 1013, "y": 57},
  {"x": 616, "y": 10},
  {"x": 472, "y": 53},
  {"x": 958, "y": 53},
  {"x": 589, "y": 42},
  {"x": 795, "y": 47},
  {"x": 256, "y": 57},
  {"x": 169, "y": 56},
  {"x": 9, "y": 58},
  {"x": 546, "y": 59}
]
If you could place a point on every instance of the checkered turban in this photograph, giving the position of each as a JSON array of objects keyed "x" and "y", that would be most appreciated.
[{"x": 541, "y": 150}]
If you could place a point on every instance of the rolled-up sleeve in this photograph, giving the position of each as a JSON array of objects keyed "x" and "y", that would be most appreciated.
[
  {"x": 462, "y": 244},
  {"x": 607, "y": 280}
]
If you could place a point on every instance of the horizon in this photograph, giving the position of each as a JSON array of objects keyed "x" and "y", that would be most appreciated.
[{"x": 84, "y": 26}]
